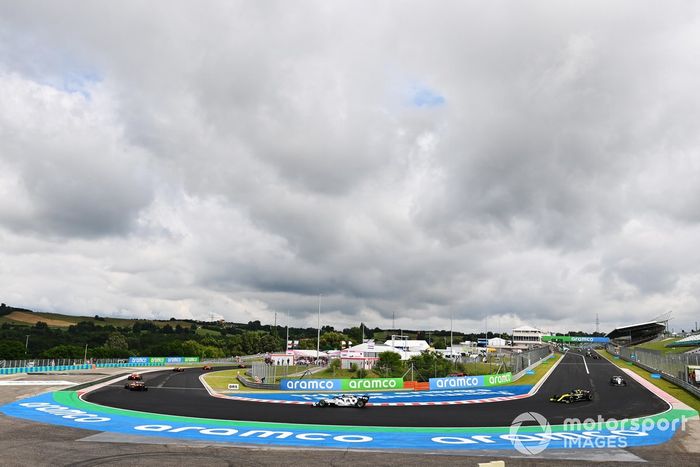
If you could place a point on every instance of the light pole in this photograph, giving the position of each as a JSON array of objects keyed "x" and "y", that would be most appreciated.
[
  {"x": 26, "y": 345},
  {"x": 318, "y": 335},
  {"x": 85, "y": 357},
  {"x": 452, "y": 352},
  {"x": 286, "y": 342}
]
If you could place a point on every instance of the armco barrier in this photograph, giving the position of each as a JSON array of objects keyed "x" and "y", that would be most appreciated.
[{"x": 254, "y": 385}]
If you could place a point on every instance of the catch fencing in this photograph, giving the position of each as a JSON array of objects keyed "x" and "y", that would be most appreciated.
[
  {"x": 521, "y": 361},
  {"x": 42, "y": 362},
  {"x": 671, "y": 367}
]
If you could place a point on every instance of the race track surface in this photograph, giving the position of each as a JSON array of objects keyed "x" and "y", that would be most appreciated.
[{"x": 182, "y": 394}]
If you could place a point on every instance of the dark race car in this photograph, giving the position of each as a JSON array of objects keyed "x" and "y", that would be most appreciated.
[
  {"x": 134, "y": 377},
  {"x": 575, "y": 395},
  {"x": 136, "y": 386},
  {"x": 178, "y": 369},
  {"x": 617, "y": 381},
  {"x": 344, "y": 400}
]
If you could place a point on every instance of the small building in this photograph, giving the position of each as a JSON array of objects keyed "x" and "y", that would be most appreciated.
[
  {"x": 497, "y": 342},
  {"x": 526, "y": 336},
  {"x": 408, "y": 345}
]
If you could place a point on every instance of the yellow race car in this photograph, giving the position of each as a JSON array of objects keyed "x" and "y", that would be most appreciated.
[{"x": 576, "y": 395}]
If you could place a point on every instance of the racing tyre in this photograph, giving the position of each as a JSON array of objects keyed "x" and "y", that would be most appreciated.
[
  {"x": 322, "y": 403},
  {"x": 359, "y": 404},
  {"x": 590, "y": 397}
]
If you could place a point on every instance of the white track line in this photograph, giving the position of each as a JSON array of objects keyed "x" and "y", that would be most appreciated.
[{"x": 586, "y": 364}]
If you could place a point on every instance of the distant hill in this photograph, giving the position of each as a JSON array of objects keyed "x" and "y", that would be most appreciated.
[{"x": 23, "y": 316}]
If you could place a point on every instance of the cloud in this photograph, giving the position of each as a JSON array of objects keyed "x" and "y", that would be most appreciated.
[{"x": 240, "y": 159}]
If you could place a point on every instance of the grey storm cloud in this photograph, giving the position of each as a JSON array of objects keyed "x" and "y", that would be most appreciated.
[{"x": 518, "y": 163}]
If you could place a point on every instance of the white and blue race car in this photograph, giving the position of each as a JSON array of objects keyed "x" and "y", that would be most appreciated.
[{"x": 343, "y": 400}]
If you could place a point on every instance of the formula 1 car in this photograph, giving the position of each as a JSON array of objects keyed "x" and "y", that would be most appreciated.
[
  {"x": 178, "y": 369},
  {"x": 206, "y": 367},
  {"x": 136, "y": 386},
  {"x": 617, "y": 381},
  {"x": 576, "y": 395},
  {"x": 343, "y": 400},
  {"x": 134, "y": 377}
]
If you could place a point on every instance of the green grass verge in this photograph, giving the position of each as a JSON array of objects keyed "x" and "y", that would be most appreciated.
[
  {"x": 219, "y": 380},
  {"x": 676, "y": 391},
  {"x": 540, "y": 370}
]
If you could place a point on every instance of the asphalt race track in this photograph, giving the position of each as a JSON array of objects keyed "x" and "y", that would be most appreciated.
[{"x": 182, "y": 394}]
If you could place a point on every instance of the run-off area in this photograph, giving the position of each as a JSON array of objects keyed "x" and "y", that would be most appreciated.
[{"x": 67, "y": 410}]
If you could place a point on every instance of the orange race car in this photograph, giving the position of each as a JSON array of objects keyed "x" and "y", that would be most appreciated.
[
  {"x": 135, "y": 386},
  {"x": 206, "y": 367}
]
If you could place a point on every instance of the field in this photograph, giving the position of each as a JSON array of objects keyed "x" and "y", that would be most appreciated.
[
  {"x": 56, "y": 320},
  {"x": 33, "y": 318}
]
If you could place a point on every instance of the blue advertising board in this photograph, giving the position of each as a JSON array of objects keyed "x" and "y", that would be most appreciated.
[
  {"x": 460, "y": 382},
  {"x": 311, "y": 385},
  {"x": 138, "y": 359}
]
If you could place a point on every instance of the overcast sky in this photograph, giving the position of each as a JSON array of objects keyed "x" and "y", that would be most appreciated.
[{"x": 530, "y": 162}]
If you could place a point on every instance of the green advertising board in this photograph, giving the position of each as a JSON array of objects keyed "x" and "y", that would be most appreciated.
[
  {"x": 191, "y": 359},
  {"x": 497, "y": 380},
  {"x": 157, "y": 360},
  {"x": 371, "y": 384}
]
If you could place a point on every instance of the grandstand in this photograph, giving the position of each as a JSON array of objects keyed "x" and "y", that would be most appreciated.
[
  {"x": 637, "y": 333},
  {"x": 690, "y": 341}
]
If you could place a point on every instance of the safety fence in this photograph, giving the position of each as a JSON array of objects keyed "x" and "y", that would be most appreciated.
[
  {"x": 8, "y": 367},
  {"x": 40, "y": 362},
  {"x": 41, "y": 369},
  {"x": 104, "y": 362},
  {"x": 521, "y": 361},
  {"x": 671, "y": 367}
]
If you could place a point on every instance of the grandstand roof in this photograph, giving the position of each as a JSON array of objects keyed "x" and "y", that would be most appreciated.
[
  {"x": 638, "y": 325},
  {"x": 637, "y": 333}
]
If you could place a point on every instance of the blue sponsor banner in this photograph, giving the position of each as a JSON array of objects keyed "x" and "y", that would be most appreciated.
[
  {"x": 311, "y": 384},
  {"x": 456, "y": 382},
  {"x": 138, "y": 359},
  {"x": 595, "y": 340},
  {"x": 174, "y": 359}
]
